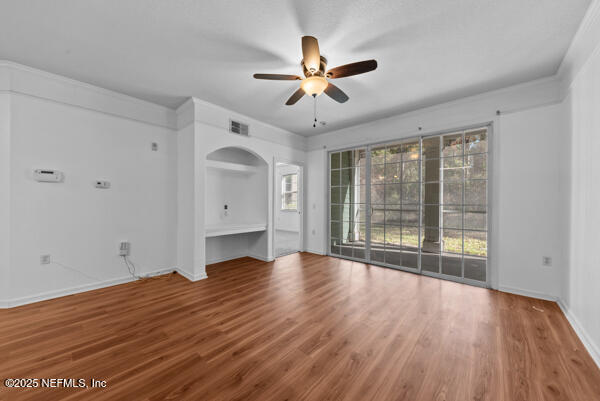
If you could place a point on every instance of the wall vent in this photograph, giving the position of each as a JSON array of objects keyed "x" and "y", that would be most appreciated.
[{"x": 239, "y": 128}]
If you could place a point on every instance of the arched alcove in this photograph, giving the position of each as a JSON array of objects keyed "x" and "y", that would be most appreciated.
[{"x": 236, "y": 205}]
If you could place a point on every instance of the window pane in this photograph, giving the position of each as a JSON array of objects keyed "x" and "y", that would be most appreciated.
[
  {"x": 476, "y": 192},
  {"x": 476, "y": 141},
  {"x": 410, "y": 193},
  {"x": 347, "y": 158},
  {"x": 431, "y": 148},
  {"x": 336, "y": 229},
  {"x": 360, "y": 157},
  {"x": 392, "y": 216},
  {"x": 410, "y": 171},
  {"x": 476, "y": 166},
  {"x": 452, "y": 264},
  {"x": 475, "y": 268},
  {"x": 452, "y": 169},
  {"x": 392, "y": 194},
  {"x": 336, "y": 213},
  {"x": 358, "y": 252},
  {"x": 410, "y": 150},
  {"x": 410, "y": 259},
  {"x": 378, "y": 215},
  {"x": 393, "y": 256},
  {"x": 431, "y": 193},
  {"x": 377, "y": 194},
  {"x": 452, "y": 241},
  {"x": 377, "y": 173},
  {"x": 393, "y": 172},
  {"x": 393, "y": 154},
  {"x": 377, "y": 234},
  {"x": 430, "y": 262},
  {"x": 347, "y": 176},
  {"x": 361, "y": 175},
  {"x": 476, "y": 243},
  {"x": 430, "y": 239},
  {"x": 475, "y": 218},
  {"x": 431, "y": 170},
  {"x": 335, "y": 178},
  {"x": 431, "y": 216},
  {"x": 335, "y": 160},
  {"x": 350, "y": 212},
  {"x": 452, "y": 217},
  {"x": 392, "y": 235},
  {"x": 335, "y": 246},
  {"x": 336, "y": 194},
  {"x": 377, "y": 253},
  {"x": 359, "y": 213},
  {"x": 453, "y": 193},
  {"x": 410, "y": 215},
  {"x": 452, "y": 145},
  {"x": 410, "y": 238},
  {"x": 378, "y": 155}
]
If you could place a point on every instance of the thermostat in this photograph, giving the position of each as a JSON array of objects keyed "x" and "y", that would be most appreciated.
[
  {"x": 102, "y": 184},
  {"x": 48, "y": 175}
]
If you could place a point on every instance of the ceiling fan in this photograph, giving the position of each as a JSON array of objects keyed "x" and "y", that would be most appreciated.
[{"x": 315, "y": 81}]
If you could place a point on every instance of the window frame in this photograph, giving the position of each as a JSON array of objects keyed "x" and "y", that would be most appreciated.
[
  {"x": 284, "y": 192},
  {"x": 490, "y": 273}
]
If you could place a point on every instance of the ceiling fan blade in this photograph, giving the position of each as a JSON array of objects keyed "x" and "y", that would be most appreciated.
[
  {"x": 311, "y": 54},
  {"x": 352, "y": 69},
  {"x": 277, "y": 77},
  {"x": 336, "y": 93},
  {"x": 295, "y": 97}
]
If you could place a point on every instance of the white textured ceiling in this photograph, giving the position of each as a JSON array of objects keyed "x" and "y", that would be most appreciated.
[{"x": 164, "y": 51}]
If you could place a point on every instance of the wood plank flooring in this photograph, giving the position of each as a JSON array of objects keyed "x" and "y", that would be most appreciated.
[{"x": 304, "y": 327}]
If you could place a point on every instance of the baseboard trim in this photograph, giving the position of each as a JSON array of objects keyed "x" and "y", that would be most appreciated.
[
  {"x": 191, "y": 277},
  {"x": 585, "y": 338},
  {"x": 254, "y": 256},
  {"x": 225, "y": 258},
  {"x": 314, "y": 251},
  {"x": 11, "y": 303},
  {"x": 527, "y": 293}
]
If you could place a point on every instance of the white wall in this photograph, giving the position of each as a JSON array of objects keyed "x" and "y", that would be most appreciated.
[
  {"x": 4, "y": 197},
  {"x": 78, "y": 225},
  {"x": 581, "y": 73},
  {"x": 210, "y": 126},
  {"x": 529, "y": 204},
  {"x": 526, "y": 136},
  {"x": 285, "y": 219}
]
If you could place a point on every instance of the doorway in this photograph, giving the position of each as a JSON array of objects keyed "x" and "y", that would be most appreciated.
[{"x": 288, "y": 208}]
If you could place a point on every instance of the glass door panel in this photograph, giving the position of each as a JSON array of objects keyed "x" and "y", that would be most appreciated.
[{"x": 417, "y": 204}]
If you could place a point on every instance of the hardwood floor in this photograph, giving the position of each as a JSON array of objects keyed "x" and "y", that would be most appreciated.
[{"x": 304, "y": 327}]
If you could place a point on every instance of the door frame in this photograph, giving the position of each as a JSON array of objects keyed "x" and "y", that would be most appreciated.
[{"x": 301, "y": 185}]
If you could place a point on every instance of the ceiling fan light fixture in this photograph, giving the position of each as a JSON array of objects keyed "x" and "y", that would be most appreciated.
[{"x": 314, "y": 85}]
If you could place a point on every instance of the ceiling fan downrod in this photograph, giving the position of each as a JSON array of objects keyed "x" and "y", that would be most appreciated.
[{"x": 315, "y": 111}]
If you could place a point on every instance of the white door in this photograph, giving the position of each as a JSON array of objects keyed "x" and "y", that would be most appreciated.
[{"x": 288, "y": 209}]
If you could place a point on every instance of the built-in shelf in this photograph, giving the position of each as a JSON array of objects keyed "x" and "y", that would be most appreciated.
[
  {"x": 217, "y": 231},
  {"x": 241, "y": 168}
]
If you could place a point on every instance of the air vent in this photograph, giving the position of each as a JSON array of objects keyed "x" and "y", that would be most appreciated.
[{"x": 239, "y": 128}]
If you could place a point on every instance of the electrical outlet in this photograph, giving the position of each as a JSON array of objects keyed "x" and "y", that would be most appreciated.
[
  {"x": 45, "y": 259},
  {"x": 546, "y": 261},
  {"x": 124, "y": 248}
]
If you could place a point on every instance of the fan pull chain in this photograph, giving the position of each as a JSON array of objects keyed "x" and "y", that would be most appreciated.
[{"x": 315, "y": 111}]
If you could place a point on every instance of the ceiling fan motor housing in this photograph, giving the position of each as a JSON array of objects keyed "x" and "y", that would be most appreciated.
[{"x": 322, "y": 68}]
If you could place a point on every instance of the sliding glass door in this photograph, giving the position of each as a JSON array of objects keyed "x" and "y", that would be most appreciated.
[{"x": 418, "y": 204}]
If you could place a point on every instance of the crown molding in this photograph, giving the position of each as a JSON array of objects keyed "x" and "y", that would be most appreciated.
[
  {"x": 584, "y": 45},
  {"x": 23, "y": 80}
]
